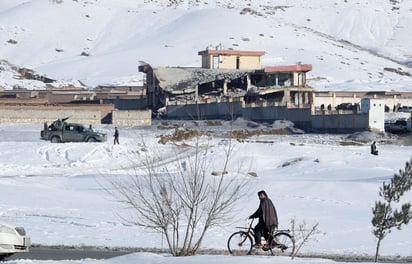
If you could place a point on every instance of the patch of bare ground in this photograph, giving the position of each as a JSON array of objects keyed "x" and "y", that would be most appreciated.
[
  {"x": 243, "y": 134},
  {"x": 213, "y": 123},
  {"x": 181, "y": 134},
  {"x": 350, "y": 143}
]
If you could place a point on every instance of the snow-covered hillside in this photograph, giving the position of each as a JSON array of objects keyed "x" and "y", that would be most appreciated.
[{"x": 349, "y": 43}]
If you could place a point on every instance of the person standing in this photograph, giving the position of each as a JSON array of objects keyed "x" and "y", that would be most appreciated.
[
  {"x": 268, "y": 219},
  {"x": 116, "y": 136},
  {"x": 374, "y": 151}
]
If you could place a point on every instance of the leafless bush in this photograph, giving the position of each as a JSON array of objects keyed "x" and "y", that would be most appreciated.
[
  {"x": 180, "y": 199},
  {"x": 302, "y": 234}
]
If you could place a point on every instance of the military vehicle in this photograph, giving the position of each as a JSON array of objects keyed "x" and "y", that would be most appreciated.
[
  {"x": 399, "y": 126},
  {"x": 62, "y": 131}
]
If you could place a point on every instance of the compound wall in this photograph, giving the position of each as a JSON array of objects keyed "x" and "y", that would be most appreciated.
[
  {"x": 225, "y": 110},
  {"x": 340, "y": 123},
  {"x": 299, "y": 116},
  {"x": 40, "y": 116},
  {"x": 231, "y": 110},
  {"x": 132, "y": 117}
]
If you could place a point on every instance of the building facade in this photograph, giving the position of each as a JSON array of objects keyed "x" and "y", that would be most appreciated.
[
  {"x": 231, "y": 59},
  {"x": 237, "y": 76}
]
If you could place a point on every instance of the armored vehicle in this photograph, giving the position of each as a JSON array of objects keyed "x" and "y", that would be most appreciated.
[{"x": 62, "y": 131}]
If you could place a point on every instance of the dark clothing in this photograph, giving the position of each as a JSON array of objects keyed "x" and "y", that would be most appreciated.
[
  {"x": 374, "y": 151},
  {"x": 116, "y": 136},
  {"x": 268, "y": 219},
  {"x": 262, "y": 230}
]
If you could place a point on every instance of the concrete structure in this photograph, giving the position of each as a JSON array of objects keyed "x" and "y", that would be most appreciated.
[
  {"x": 392, "y": 100},
  {"x": 220, "y": 58},
  {"x": 124, "y": 97},
  {"x": 230, "y": 84},
  {"x": 33, "y": 112},
  {"x": 238, "y": 77},
  {"x": 267, "y": 94},
  {"x": 132, "y": 117},
  {"x": 40, "y": 116},
  {"x": 370, "y": 117},
  {"x": 339, "y": 122},
  {"x": 48, "y": 105},
  {"x": 232, "y": 108},
  {"x": 184, "y": 86},
  {"x": 375, "y": 109},
  {"x": 78, "y": 114}
]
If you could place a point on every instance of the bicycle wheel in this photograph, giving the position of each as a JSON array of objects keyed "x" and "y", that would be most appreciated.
[
  {"x": 239, "y": 243},
  {"x": 283, "y": 244}
]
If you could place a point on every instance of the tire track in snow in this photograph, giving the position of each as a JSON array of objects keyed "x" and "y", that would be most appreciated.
[{"x": 44, "y": 153}]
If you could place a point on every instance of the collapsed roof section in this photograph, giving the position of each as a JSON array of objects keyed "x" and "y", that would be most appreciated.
[{"x": 179, "y": 80}]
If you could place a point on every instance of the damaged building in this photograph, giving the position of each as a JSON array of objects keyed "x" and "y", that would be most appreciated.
[{"x": 228, "y": 85}]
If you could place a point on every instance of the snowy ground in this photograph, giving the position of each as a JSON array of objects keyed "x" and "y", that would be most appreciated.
[
  {"x": 349, "y": 43},
  {"x": 149, "y": 258},
  {"x": 55, "y": 190}
]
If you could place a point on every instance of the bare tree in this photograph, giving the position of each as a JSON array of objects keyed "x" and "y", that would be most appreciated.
[
  {"x": 302, "y": 234},
  {"x": 182, "y": 201}
]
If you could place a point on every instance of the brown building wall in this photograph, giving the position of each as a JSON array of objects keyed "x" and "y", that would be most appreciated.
[
  {"x": 88, "y": 114},
  {"x": 132, "y": 117},
  {"x": 230, "y": 62}
]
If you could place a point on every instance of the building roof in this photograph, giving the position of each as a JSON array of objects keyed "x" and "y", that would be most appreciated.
[
  {"x": 178, "y": 79},
  {"x": 231, "y": 52},
  {"x": 289, "y": 68}
]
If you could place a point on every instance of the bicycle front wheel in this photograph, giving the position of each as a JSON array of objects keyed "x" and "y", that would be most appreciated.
[
  {"x": 240, "y": 243},
  {"x": 283, "y": 244}
]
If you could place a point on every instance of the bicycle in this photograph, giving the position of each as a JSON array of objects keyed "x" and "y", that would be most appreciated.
[{"x": 242, "y": 242}]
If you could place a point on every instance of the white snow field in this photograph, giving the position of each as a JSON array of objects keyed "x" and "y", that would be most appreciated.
[
  {"x": 349, "y": 43},
  {"x": 56, "y": 190}
]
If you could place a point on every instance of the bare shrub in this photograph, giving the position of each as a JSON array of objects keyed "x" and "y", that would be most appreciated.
[
  {"x": 181, "y": 134},
  {"x": 244, "y": 134},
  {"x": 302, "y": 234},
  {"x": 180, "y": 199}
]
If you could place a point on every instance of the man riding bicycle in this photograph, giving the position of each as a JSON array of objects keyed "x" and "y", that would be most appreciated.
[{"x": 268, "y": 219}]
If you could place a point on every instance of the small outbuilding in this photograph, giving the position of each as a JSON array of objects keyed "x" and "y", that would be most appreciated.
[
  {"x": 221, "y": 58},
  {"x": 375, "y": 108}
]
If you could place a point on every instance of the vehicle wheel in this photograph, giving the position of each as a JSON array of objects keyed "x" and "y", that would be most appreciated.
[
  {"x": 55, "y": 139},
  {"x": 240, "y": 243},
  {"x": 91, "y": 139},
  {"x": 283, "y": 244}
]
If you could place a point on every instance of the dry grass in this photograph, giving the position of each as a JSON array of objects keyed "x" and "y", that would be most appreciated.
[
  {"x": 350, "y": 143},
  {"x": 244, "y": 134},
  {"x": 181, "y": 134}
]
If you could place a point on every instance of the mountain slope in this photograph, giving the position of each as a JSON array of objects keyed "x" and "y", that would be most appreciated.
[{"x": 97, "y": 42}]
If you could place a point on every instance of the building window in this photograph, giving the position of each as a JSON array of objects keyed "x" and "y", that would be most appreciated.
[{"x": 284, "y": 79}]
